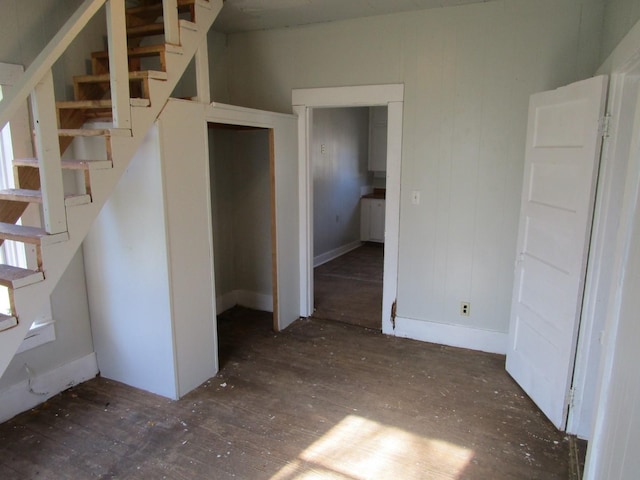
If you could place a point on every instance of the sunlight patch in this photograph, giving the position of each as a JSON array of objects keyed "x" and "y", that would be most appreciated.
[{"x": 358, "y": 449}]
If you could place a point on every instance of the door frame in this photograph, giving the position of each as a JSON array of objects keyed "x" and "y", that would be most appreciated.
[
  {"x": 623, "y": 86},
  {"x": 284, "y": 268},
  {"x": 303, "y": 101},
  {"x": 619, "y": 203}
]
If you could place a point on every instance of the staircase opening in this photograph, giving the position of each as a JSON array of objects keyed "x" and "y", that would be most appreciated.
[
  {"x": 241, "y": 165},
  {"x": 11, "y": 252}
]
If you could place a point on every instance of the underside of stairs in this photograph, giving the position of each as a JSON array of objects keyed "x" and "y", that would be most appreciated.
[{"x": 155, "y": 65}]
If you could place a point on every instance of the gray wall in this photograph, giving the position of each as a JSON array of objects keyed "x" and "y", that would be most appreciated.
[
  {"x": 241, "y": 210},
  {"x": 27, "y": 26},
  {"x": 619, "y": 17},
  {"x": 468, "y": 73},
  {"x": 338, "y": 175}
]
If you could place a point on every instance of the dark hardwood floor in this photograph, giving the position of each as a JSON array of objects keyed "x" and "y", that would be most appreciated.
[
  {"x": 348, "y": 289},
  {"x": 319, "y": 400}
]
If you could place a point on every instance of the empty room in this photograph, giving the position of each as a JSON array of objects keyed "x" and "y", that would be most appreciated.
[{"x": 202, "y": 202}]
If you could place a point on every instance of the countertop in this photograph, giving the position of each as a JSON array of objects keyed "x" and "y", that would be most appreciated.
[{"x": 378, "y": 194}]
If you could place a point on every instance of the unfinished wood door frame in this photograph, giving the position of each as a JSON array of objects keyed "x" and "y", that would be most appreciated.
[{"x": 304, "y": 100}]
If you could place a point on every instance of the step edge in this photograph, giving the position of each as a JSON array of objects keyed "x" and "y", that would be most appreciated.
[
  {"x": 7, "y": 322},
  {"x": 29, "y": 277}
]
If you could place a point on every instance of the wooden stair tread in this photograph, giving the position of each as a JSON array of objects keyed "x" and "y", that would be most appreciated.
[
  {"x": 16, "y": 277},
  {"x": 35, "y": 196},
  {"x": 144, "y": 51},
  {"x": 145, "y": 30},
  {"x": 135, "y": 75},
  {"x": 99, "y": 104},
  {"x": 83, "y": 132},
  {"x": 94, "y": 132},
  {"x": 156, "y": 8},
  {"x": 7, "y": 322},
  {"x": 30, "y": 235},
  {"x": 67, "y": 164}
]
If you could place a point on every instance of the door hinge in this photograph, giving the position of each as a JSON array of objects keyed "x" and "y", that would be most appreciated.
[
  {"x": 393, "y": 313},
  {"x": 571, "y": 397},
  {"x": 605, "y": 125}
]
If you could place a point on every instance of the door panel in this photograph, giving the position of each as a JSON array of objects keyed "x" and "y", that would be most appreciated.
[{"x": 561, "y": 164}]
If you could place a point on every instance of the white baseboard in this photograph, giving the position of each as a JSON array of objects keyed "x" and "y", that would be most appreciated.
[
  {"x": 335, "y": 253},
  {"x": 226, "y": 301},
  {"x": 452, "y": 335},
  {"x": 244, "y": 298},
  {"x": 17, "y": 398}
]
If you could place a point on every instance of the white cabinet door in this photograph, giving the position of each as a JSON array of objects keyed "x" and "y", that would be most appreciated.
[
  {"x": 365, "y": 219},
  {"x": 376, "y": 226},
  {"x": 372, "y": 220},
  {"x": 561, "y": 163}
]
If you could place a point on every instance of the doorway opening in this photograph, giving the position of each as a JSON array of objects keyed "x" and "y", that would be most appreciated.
[
  {"x": 348, "y": 161},
  {"x": 241, "y": 161},
  {"x": 304, "y": 101}
]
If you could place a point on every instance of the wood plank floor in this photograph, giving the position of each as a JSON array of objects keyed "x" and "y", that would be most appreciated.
[
  {"x": 349, "y": 288},
  {"x": 321, "y": 400}
]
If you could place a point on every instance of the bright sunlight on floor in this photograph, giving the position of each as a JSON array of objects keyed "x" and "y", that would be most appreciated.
[{"x": 389, "y": 452}]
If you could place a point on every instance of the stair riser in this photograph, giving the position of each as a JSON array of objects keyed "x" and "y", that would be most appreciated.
[
  {"x": 139, "y": 88},
  {"x": 155, "y": 61}
]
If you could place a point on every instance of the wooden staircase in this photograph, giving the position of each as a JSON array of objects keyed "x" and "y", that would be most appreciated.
[{"x": 155, "y": 64}]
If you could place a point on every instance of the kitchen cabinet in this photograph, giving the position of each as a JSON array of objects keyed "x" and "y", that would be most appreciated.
[
  {"x": 372, "y": 220},
  {"x": 378, "y": 139}
]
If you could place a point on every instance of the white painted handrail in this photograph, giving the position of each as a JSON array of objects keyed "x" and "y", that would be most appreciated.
[{"x": 47, "y": 57}]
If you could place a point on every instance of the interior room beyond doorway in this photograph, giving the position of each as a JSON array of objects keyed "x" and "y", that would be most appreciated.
[{"x": 348, "y": 162}]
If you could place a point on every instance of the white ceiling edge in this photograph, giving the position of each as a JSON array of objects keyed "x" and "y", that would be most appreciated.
[{"x": 249, "y": 15}]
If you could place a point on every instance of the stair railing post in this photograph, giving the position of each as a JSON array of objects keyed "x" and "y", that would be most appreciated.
[
  {"x": 48, "y": 152},
  {"x": 202, "y": 72},
  {"x": 171, "y": 26},
  {"x": 118, "y": 64}
]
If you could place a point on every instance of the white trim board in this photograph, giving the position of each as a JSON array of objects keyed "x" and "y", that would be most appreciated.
[
  {"x": 38, "y": 334},
  {"x": 17, "y": 398},
  {"x": 335, "y": 253},
  {"x": 452, "y": 335},
  {"x": 303, "y": 101}
]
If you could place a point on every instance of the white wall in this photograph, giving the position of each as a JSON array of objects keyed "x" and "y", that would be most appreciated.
[
  {"x": 222, "y": 198},
  {"x": 468, "y": 73},
  {"x": 241, "y": 211},
  {"x": 338, "y": 175},
  {"x": 149, "y": 262},
  {"x": 127, "y": 278},
  {"x": 73, "y": 332}
]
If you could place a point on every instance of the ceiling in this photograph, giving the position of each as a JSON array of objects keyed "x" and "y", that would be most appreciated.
[{"x": 246, "y": 15}]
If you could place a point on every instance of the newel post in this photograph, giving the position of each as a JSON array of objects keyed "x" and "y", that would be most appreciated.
[
  {"x": 118, "y": 64},
  {"x": 48, "y": 151}
]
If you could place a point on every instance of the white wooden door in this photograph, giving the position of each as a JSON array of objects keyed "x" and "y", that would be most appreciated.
[{"x": 560, "y": 173}]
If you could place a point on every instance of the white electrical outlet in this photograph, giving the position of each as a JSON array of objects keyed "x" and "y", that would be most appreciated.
[
  {"x": 323, "y": 148},
  {"x": 415, "y": 197},
  {"x": 465, "y": 309}
]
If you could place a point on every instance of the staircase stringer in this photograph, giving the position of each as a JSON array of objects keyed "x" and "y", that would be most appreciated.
[{"x": 32, "y": 300}]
